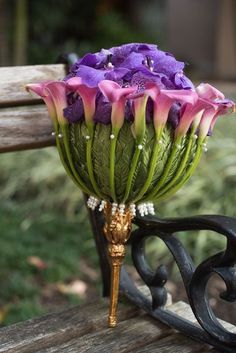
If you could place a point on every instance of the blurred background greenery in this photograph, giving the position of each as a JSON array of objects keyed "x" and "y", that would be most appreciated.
[{"x": 48, "y": 258}]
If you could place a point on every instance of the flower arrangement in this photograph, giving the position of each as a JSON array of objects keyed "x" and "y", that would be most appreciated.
[{"x": 130, "y": 129}]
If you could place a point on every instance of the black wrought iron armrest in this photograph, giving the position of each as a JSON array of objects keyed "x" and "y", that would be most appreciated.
[{"x": 195, "y": 279}]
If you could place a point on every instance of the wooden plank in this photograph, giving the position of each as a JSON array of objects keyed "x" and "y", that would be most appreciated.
[
  {"x": 128, "y": 336},
  {"x": 176, "y": 343},
  {"x": 25, "y": 128},
  {"x": 53, "y": 329},
  {"x": 14, "y": 79},
  {"x": 181, "y": 307},
  {"x": 85, "y": 329}
]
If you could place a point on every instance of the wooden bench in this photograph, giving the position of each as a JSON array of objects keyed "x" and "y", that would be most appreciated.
[{"x": 25, "y": 124}]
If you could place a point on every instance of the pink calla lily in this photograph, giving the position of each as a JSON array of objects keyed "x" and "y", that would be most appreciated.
[
  {"x": 209, "y": 105},
  {"x": 40, "y": 90},
  {"x": 190, "y": 114},
  {"x": 206, "y": 121},
  {"x": 57, "y": 90},
  {"x": 117, "y": 96},
  {"x": 54, "y": 95},
  {"x": 216, "y": 105},
  {"x": 224, "y": 107},
  {"x": 139, "y": 104},
  {"x": 163, "y": 100},
  {"x": 88, "y": 96}
]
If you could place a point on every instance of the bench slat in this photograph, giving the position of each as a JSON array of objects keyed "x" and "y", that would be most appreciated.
[
  {"x": 58, "y": 328},
  {"x": 14, "y": 79},
  {"x": 126, "y": 337},
  {"x": 27, "y": 127},
  {"x": 174, "y": 344},
  {"x": 85, "y": 329}
]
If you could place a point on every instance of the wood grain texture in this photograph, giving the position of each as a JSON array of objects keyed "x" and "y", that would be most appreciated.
[
  {"x": 176, "y": 343},
  {"x": 84, "y": 329},
  {"x": 128, "y": 336},
  {"x": 26, "y": 127},
  {"x": 14, "y": 79},
  {"x": 51, "y": 330}
]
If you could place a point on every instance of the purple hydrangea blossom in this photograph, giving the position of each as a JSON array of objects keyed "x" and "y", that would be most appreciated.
[{"x": 133, "y": 64}]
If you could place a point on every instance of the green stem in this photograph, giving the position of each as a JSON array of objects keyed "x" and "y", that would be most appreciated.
[
  {"x": 166, "y": 171},
  {"x": 63, "y": 161},
  {"x": 90, "y": 163},
  {"x": 131, "y": 173},
  {"x": 112, "y": 165},
  {"x": 152, "y": 167},
  {"x": 182, "y": 166},
  {"x": 79, "y": 181},
  {"x": 188, "y": 173}
]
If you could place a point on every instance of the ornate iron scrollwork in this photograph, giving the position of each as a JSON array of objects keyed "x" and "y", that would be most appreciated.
[{"x": 195, "y": 279}]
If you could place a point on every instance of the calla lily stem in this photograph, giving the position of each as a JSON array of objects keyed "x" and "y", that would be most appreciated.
[
  {"x": 188, "y": 173},
  {"x": 112, "y": 165},
  {"x": 131, "y": 173},
  {"x": 152, "y": 168},
  {"x": 74, "y": 173},
  {"x": 167, "y": 169},
  {"x": 183, "y": 164},
  {"x": 90, "y": 163}
]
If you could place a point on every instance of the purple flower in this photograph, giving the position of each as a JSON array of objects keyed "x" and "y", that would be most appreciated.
[
  {"x": 134, "y": 64},
  {"x": 134, "y": 82}
]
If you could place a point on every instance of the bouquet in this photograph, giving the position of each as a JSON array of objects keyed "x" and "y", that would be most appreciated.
[{"x": 130, "y": 129}]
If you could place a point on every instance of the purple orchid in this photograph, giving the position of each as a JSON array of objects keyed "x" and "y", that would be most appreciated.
[{"x": 128, "y": 65}]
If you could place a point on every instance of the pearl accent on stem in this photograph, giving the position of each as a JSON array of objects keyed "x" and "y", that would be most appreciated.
[{"x": 143, "y": 208}]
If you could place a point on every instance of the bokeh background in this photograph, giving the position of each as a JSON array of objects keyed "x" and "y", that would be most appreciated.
[{"x": 47, "y": 254}]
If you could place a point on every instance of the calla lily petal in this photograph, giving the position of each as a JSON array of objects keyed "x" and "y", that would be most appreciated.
[
  {"x": 189, "y": 114},
  {"x": 53, "y": 94},
  {"x": 139, "y": 105},
  {"x": 57, "y": 91},
  {"x": 206, "y": 91},
  {"x": 203, "y": 112},
  {"x": 116, "y": 95},
  {"x": 113, "y": 91},
  {"x": 206, "y": 121},
  {"x": 163, "y": 100},
  {"x": 225, "y": 106},
  {"x": 88, "y": 96}
]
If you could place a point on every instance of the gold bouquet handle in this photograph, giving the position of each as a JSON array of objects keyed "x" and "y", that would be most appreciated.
[{"x": 117, "y": 230}]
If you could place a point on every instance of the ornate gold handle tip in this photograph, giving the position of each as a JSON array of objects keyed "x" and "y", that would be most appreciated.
[{"x": 117, "y": 231}]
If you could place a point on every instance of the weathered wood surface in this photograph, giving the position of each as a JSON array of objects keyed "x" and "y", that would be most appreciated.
[
  {"x": 14, "y": 79},
  {"x": 80, "y": 330},
  {"x": 26, "y": 127},
  {"x": 175, "y": 343},
  {"x": 58, "y": 328}
]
